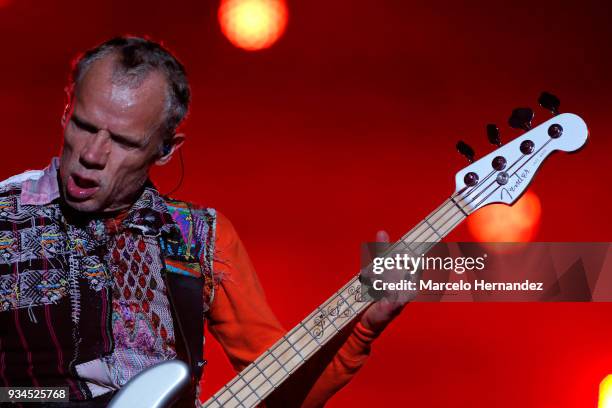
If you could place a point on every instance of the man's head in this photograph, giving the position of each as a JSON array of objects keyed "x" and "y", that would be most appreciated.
[{"x": 126, "y": 98}]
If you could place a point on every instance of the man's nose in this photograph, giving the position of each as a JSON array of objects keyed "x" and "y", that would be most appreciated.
[{"x": 96, "y": 151}]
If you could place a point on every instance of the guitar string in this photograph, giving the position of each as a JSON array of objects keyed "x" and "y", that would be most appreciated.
[
  {"x": 477, "y": 195},
  {"x": 531, "y": 156},
  {"x": 319, "y": 344},
  {"x": 292, "y": 343},
  {"x": 284, "y": 339},
  {"x": 333, "y": 298}
]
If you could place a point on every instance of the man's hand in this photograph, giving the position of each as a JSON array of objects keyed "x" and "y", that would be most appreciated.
[{"x": 380, "y": 313}]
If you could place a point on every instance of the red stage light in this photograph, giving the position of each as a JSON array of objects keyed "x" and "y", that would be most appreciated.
[
  {"x": 502, "y": 223},
  {"x": 253, "y": 24}
]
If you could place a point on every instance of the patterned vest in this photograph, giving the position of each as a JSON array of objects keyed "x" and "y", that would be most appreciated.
[{"x": 66, "y": 289}]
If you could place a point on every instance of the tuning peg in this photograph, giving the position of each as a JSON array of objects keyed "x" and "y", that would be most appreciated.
[
  {"x": 521, "y": 118},
  {"x": 550, "y": 102},
  {"x": 465, "y": 150},
  {"x": 493, "y": 134}
]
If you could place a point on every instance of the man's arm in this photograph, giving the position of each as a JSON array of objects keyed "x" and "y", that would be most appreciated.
[{"x": 242, "y": 321}]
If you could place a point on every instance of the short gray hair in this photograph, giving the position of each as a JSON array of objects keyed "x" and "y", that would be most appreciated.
[{"x": 136, "y": 58}]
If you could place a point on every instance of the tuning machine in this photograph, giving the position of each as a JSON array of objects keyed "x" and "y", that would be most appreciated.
[
  {"x": 550, "y": 102},
  {"x": 493, "y": 134},
  {"x": 465, "y": 150},
  {"x": 521, "y": 118}
]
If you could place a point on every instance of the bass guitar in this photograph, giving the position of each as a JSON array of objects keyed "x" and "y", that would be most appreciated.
[{"x": 499, "y": 177}]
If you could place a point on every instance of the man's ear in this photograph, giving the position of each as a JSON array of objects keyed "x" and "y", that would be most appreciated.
[
  {"x": 68, "y": 98},
  {"x": 169, "y": 148},
  {"x": 64, "y": 119}
]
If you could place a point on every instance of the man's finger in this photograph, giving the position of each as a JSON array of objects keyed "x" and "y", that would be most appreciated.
[{"x": 382, "y": 236}]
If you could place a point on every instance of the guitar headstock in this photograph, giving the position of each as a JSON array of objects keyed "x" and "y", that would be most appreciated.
[{"x": 504, "y": 174}]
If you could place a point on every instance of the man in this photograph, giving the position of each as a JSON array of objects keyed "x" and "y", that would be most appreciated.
[{"x": 89, "y": 250}]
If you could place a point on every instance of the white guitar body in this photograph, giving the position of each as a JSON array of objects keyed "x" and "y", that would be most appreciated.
[{"x": 156, "y": 387}]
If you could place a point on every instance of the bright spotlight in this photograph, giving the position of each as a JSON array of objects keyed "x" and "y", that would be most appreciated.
[
  {"x": 502, "y": 223},
  {"x": 253, "y": 24},
  {"x": 605, "y": 393}
]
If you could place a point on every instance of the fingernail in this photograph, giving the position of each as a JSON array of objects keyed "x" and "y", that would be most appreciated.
[{"x": 382, "y": 236}]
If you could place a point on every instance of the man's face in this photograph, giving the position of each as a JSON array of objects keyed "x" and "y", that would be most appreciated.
[{"x": 111, "y": 139}]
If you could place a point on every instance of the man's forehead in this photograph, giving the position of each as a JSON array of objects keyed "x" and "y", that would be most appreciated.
[{"x": 137, "y": 107}]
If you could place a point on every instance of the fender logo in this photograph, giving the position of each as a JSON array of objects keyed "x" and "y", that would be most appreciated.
[{"x": 510, "y": 190}]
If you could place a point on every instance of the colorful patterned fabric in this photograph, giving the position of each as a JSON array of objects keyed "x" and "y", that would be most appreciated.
[
  {"x": 141, "y": 320},
  {"x": 95, "y": 287},
  {"x": 55, "y": 292},
  {"x": 187, "y": 255}
]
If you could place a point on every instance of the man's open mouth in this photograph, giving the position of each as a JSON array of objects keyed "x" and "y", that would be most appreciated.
[
  {"x": 84, "y": 182},
  {"x": 81, "y": 188}
]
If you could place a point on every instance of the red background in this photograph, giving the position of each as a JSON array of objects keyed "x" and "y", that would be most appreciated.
[{"x": 346, "y": 126}]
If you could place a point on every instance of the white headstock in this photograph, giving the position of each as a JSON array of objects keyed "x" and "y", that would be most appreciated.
[{"x": 505, "y": 185}]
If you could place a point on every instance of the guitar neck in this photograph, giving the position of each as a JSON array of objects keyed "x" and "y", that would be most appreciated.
[{"x": 272, "y": 368}]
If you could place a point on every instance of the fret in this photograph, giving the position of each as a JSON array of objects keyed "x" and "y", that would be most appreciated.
[
  {"x": 309, "y": 333},
  {"x": 265, "y": 377},
  {"x": 274, "y": 370},
  {"x": 418, "y": 234},
  {"x": 327, "y": 314},
  {"x": 250, "y": 401},
  {"x": 262, "y": 378},
  {"x": 345, "y": 301},
  {"x": 433, "y": 229},
  {"x": 333, "y": 314},
  {"x": 244, "y": 389},
  {"x": 275, "y": 361},
  {"x": 438, "y": 220},
  {"x": 249, "y": 381},
  {"x": 349, "y": 312},
  {"x": 316, "y": 325},
  {"x": 284, "y": 353},
  {"x": 467, "y": 205},
  {"x": 459, "y": 206},
  {"x": 293, "y": 338},
  {"x": 214, "y": 402},
  {"x": 230, "y": 401},
  {"x": 259, "y": 379},
  {"x": 451, "y": 219}
]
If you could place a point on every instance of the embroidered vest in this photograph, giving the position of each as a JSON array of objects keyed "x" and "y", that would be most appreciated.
[
  {"x": 189, "y": 275},
  {"x": 55, "y": 296}
]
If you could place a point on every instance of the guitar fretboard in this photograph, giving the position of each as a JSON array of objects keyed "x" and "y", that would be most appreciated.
[{"x": 272, "y": 368}]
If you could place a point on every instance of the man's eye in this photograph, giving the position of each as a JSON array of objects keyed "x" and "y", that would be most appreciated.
[
  {"x": 82, "y": 126},
  {"x": 125, "y": 143}
]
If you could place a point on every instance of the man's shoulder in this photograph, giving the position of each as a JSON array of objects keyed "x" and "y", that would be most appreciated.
[
  {"x": 182, "y": 207},
  {"x": 33, "y": 187},
  {"x": 221, "y": 226},
  {"x": 13, "y": 184}
]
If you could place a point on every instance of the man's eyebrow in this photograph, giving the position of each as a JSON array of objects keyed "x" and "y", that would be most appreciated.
[
  {"x": 127, "y": 140},
  {"x": 83, "y": 124}
]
